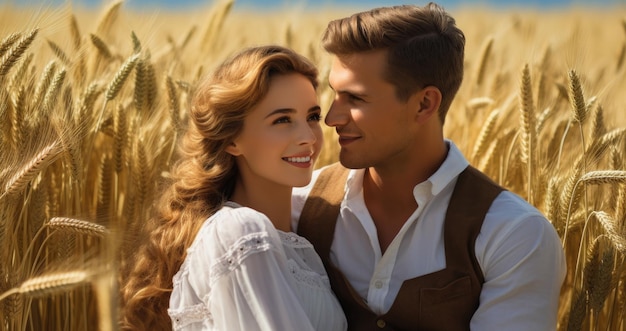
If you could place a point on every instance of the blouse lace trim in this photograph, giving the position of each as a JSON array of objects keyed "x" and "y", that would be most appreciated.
[
  {"x": 293, "y": 240},
  {"x": 306, "y": 277},
  {"x": 188, "y": 315},
  {"x": 244, "y": 247}
]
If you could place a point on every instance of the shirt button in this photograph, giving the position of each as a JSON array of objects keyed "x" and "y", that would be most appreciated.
[
  {"x": 381, "y": 323},
  {"x": 378, "y": 284}
]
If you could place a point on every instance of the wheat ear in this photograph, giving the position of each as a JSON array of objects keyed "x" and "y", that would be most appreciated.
[
  {"x": 120, "y": 137},
  {"x": 32, "y": 168},
  {"x": 9, "y": 59},
  {"x": 140, "y": 97},
  {"x": 577, "y": 98},
  {"x": 485, "y": 134},
  {"x": 43, "y": 83},
  {"x": 9, "y": 40},
  {"x": 620, "y": 57},
  {"x": 49, "y": 284},
  {"x": 109, "y": 17},
  {"x": 50, "y": 98},
  {"x": 17, "y": 117},
  {"x": 173, "y": 103},
  {"x": 58, "y": 51},
  {"x": 578, "y": 310},
  {"x": 220, "y": 11},
  {"x": 604, "y": 177},
  {"x": 75, "y": 32},
  {"x": 528, "y": 127},
  {"x": 136, "y": 42},
  {"x": 78, "y": 226},
  {"x": 120, "y": 77},
  {"x": 101, "y": 46},
  {"x": 20, "y": 72},
  {"x": 484, "y": 59}
]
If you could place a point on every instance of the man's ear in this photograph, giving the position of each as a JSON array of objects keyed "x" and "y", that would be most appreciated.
[
  {"x": 427, "y": 102},
  {"x": 232, "y": 149}
]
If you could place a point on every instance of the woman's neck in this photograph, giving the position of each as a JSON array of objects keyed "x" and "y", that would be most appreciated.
[{"x": 272, "y": 200}]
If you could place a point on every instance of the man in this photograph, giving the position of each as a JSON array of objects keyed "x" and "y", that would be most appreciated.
[{"x": 413, "y": 237}]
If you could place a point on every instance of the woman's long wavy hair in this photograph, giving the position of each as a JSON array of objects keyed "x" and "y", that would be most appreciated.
[{"x": 203, "y": 177}]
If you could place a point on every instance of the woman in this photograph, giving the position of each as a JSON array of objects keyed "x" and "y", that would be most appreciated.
[{"x": 254, "y": 134}]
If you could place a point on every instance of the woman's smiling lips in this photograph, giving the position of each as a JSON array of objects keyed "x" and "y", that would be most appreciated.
[{"x": 303, "y": 161}]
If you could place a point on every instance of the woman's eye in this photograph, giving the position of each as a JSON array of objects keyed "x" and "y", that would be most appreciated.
[
  {"x": 283, "y": 119},
  {"x": 315, "y": 117}
]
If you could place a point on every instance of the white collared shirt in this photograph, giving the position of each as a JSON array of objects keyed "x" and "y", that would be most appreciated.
[{"x": 518, "y": 250}]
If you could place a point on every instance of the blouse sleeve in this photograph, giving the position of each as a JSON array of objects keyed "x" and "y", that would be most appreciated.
[{"x": 249, "y": 289}]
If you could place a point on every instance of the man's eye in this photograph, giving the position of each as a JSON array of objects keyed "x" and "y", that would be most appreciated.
[
  {"x": 354, "y": 98},
  {"x": 283, "y": 119}
]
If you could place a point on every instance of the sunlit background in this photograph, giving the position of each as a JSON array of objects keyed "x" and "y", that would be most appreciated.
[{"x": 273, "y": 4}]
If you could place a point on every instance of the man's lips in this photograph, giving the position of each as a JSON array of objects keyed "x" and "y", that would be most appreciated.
[{"x": 345, "y": 140}]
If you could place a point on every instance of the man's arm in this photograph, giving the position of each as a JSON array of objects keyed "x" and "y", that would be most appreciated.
[{"x": 524, "y": 268}]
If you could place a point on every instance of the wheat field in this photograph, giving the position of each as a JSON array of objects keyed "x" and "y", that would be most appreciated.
[{"x": 93, "y": 102}]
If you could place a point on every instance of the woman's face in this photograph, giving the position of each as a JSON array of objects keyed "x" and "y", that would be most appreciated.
[{"x": 281, "y": 136}]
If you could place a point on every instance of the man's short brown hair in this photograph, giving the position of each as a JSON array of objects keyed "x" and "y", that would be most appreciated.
[{"x": 424, "y": 47}]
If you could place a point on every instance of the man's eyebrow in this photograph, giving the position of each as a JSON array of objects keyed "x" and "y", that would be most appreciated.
[{"x": 314, "y": 109}]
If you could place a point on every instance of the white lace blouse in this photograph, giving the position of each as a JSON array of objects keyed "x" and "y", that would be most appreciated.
[{"x": 241, "y": 273}]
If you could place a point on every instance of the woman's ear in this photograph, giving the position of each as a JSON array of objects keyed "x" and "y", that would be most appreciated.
[
  {"x": 428, "y": 102},
  {"x": 232, "y": 149}
]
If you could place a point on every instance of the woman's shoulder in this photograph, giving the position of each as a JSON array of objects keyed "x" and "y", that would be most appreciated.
[
  {"x": 231, "y": 225},
  {"x": 240, "y": 220}
]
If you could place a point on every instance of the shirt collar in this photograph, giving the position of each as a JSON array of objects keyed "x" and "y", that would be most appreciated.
[{"x": 451, "y": 167}]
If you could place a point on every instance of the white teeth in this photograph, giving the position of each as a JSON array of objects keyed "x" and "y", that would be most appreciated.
[{"x": 303, "y": 159}]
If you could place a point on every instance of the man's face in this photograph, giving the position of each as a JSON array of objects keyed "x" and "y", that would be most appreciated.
[{"x": 374, "y": 127}]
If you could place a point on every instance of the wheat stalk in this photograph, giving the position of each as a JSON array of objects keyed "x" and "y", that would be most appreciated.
[
  {"x": 32, "y": 168},
  {"x": 20, "y": 72},
  {"x": 621, "y": 57},
  {"x": 50, "y": 99},
  {"x": 43, "y": 84},
  {"x": 101, "y": 46},
  {"x": 9, "y": 40},
  {"x": 49, "y": 284},
  {"x": 151, "y": 86},
  {"x": 109, "y": 17},
  {"x": 598, "y": 128},
  {"x": 58, "y": 51},
  {"x": 528, "y": 127},
  {"x": 219, "y": 13},
  {"x": 120, "y": 77},
  {"x": 484, "y": 59},
  {"x": 577, "y": 98},
  {"x": 9, "y": 59},
  {"x": 136, "y": 42},
  {"x": 120, "y": 138},
  {"x": 603, "y": 177},
  {"x": 173, "y": 103},
  {"x": 17, "y": 117},
  {"x": 485, "y": 134},
  {"x": 612, "y": 231},
  {"x": 140, "y": 85},
  {"x": 75, "y": 32},
  {"x": 78, "y": 226},
  {"x": 577, "y": 312}
]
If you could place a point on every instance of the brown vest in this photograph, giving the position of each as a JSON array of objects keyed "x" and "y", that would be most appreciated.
[{"x": 442, "y": 300}]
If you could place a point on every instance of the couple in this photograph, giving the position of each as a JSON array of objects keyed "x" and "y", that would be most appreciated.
[{"x": 412, "y": 238}]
